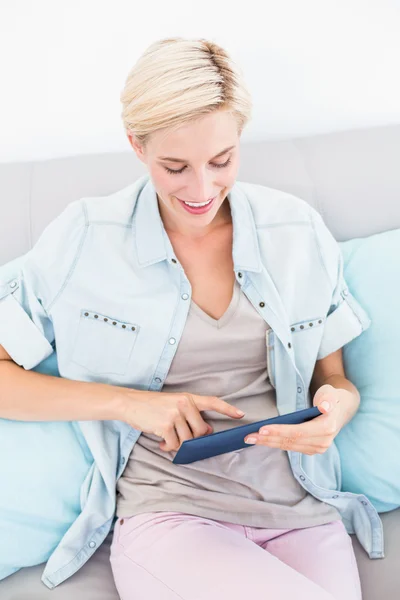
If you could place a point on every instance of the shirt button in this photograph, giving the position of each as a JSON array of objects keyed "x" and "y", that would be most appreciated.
[
  {"x": 364, "y": 502},
  {"x": 335, "y": 496},
  {"x": 345, "y": 292},
  {"x": 185, "y": 296},
  {"x": 123, "y": 460},
  {"x": 299, "y": 390},
  {"x": 262, "y": 304},
  {"x": 240, "y": 275},
  {"x": 172, "y": 341},
  {"x": 302, "y": 477},
  {"x": 158, "y": 380},
  {"x": 13, "y": 284},
  {"x": 289, "y": 345},
  {"x": 173, "y": 260},
  {"x": 92, "y": 544}
]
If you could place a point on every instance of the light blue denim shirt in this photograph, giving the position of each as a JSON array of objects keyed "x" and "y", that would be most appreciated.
[{"x": 103, "y": 288}]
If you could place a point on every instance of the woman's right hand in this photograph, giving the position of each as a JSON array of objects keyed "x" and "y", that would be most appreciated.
[{"x": 173, "y": 416}]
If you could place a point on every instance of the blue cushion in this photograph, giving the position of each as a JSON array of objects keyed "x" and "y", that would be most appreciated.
[
  {"x": 369, "y": 445},
  {"x": 42, "y": 468}
]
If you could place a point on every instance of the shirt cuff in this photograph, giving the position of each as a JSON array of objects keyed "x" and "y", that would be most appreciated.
[
  {"x": 343, "y": 325},
  {"x": 20, "y": 337}
]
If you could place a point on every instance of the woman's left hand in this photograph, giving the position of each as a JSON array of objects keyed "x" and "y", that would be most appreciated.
[{"x": 315, "y": 436}]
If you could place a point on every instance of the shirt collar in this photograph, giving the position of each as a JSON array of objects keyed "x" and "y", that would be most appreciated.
[{"x": 153, "y": 244}]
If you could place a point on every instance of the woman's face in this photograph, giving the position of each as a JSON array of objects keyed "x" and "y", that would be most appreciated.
[{"x": 197, "y": 175}]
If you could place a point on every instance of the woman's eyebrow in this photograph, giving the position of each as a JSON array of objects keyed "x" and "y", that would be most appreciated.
[{"x": 183, "y": 160}]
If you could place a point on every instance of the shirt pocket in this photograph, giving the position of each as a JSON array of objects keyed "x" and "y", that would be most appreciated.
[
  {"x": 306, "y": 339},
  {"x": 104, "y": 344}
]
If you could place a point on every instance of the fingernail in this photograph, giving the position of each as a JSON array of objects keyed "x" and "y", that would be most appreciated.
[
  {"x": 250, "y": 440},
  {"x": 325, "y": 405},
  {"x": 240, "y": 413},
  {"x": 264, "y": 432}
]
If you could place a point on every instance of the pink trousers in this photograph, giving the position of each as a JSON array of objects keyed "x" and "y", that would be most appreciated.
[{"x": 178, "y": 556}]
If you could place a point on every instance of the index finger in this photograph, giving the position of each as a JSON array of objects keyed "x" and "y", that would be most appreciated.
[{"x": 219, "y": 405}]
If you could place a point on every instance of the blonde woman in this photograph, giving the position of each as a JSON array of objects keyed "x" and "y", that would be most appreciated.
[{"x": 173, "y": 304}]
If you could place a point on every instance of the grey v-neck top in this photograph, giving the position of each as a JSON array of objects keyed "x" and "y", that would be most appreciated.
[{"x": 252, "y": 486}]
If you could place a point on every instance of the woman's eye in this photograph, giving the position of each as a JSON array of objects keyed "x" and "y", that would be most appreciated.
[{"x": 225, "y": 164}]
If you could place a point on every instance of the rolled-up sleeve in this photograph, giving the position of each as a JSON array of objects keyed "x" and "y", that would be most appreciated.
[
  {"x": 346, "y": 319},
  {"x": 23, "y": 336},
  {"x": 30, "y": 286}
]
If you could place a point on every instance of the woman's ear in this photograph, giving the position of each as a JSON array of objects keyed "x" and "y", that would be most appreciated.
[{"x": 138, "y": 148}]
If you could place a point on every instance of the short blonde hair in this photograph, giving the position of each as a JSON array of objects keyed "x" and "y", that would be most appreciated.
[{"x": 178, "y": 80}]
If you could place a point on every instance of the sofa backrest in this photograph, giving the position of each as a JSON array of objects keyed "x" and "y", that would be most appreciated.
[{"x": 352, "y": 178}]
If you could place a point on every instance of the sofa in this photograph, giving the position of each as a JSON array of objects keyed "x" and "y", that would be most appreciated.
[{"x": 351, "y": 177}]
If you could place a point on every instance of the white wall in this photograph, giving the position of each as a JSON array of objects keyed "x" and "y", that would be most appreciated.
[{"x": 312, "y": 66}]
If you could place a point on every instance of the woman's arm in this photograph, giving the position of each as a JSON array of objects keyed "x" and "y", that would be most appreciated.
[
  {"x": 330, "y": 370},
  {"x": 30, "y": 396}
]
